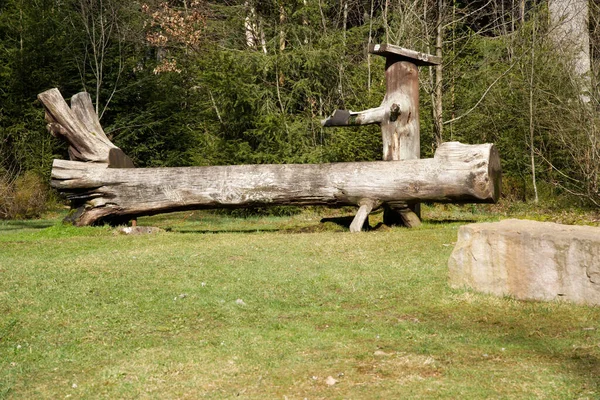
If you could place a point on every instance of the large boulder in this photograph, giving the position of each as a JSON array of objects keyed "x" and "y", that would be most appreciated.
[{"x": 528, "y": 260}]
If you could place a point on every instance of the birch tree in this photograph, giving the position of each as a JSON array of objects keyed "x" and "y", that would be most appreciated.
[
  {"x": 100, "y": 22},
  {"x": 569, "y": 22}
]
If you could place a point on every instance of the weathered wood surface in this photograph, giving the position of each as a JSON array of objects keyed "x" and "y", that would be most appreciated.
[
  {"x": 365, "y": 208},
  {"x": 457, "y": 173},
  {"x": 391, "y": 51},
  {"x": 398, "y": 116},
  {"x": 79, "y": 126},
  {"x": 400, "y": 129}
]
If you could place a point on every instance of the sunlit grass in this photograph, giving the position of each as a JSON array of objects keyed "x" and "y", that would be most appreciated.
[{"x": 267, "y": 307}]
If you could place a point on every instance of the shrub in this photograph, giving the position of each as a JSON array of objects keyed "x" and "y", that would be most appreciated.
[{"x": 22, "y": 197}]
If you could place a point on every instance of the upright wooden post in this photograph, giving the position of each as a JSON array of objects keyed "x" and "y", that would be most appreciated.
[
  {"x": 398, "y": 116},
  {"x": 401, "y": 132}
]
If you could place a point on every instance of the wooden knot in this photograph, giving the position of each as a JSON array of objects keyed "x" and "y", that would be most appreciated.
[{"x": 394, "y": 112}]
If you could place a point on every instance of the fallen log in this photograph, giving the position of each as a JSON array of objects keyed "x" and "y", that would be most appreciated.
[
  {"x": 457, "y": 173},
  {"x": 103, "y": 187}
]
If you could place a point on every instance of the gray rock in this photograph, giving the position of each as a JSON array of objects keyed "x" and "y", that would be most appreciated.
[
  {"x": 139, "y": 230},
  {"x": 528, "y": 260}
]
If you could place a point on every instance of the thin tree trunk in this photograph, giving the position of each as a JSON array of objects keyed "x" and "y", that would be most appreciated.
[
  {"x": 453, "y": 72},
  {"x": 21, "y": 34},
  {"x": 341, "y": 69},
  {"x": 282, "y": 19},
  {"x": 99, "y": 21},
  {"x": 305, "y": 22},
  {"x": 253, "y": 29},
  {"x": 522, "y": 11},
  {"x": 512, "y": 15},
  {"x": 323, "y": 20},
  {"x": 370, "y": 42},
  {"x": 531, "y": 116},
  {"x": 249, "y": 26},
  {"x": 385, "y": 21},
  {"x": 439, "y": 126},
  {"x": 570, "y": 32}
]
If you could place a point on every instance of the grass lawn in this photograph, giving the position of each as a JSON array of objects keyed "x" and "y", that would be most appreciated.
[{"x": 269, "y": 308}]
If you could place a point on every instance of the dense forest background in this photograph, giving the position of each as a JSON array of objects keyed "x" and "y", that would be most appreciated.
[{"x": 189, "y": 82}]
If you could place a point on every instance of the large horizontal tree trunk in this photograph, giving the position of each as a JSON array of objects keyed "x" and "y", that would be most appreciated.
[{"x": 457, "y": 173}]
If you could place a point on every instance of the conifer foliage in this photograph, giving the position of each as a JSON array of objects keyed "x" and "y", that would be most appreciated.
[{"x": 198, "y": 82}]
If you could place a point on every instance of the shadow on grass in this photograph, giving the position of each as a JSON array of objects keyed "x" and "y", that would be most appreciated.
[
  {"x": 451, "y": 221},
  {"x": 15, "y": 225},
  {"x": 542, "y": 334},
  {"x": 324, "y": 226},
  {"x": 217, "y": 231},
  {"x": 345, "y": 222}
]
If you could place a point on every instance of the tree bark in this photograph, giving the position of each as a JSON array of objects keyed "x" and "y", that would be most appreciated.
[
  {"x": 361, "y": 220},
  {"x": 532, "y": 116},
  {"x": 282, "y": 21},
  {"x": 438, "y": 106},
  {"x": 102, "y": 187},
  {"x": 458, "y": 173},
  {"x": 401, "y": 130},
  {"x": 569, "y": 21}
]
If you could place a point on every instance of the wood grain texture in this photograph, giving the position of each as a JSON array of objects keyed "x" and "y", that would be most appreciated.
[
  {"x": 362, "y": 216},
  {"x": 401, "y": 54},
  {"x": 79, "y": 126},
  {"x": 398, "y": 116},
  {"x": 400, "y": 131},
  {"x": 470, "y": 174}
]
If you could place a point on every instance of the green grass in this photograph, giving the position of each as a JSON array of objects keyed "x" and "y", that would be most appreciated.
[{"x": 265, "y": 307}]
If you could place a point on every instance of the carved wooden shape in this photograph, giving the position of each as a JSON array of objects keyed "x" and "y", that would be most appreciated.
[
  {"x": 398, "y": 53},
  {"x": 398, "y": 116}
]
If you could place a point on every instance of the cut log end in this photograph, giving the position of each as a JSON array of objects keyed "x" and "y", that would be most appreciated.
[
  {"x": 484, "y": 181},
  {"x": 495, "y": 174}
]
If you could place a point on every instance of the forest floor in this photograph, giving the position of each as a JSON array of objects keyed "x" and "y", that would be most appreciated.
[{"x": 276, "y": 307}]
